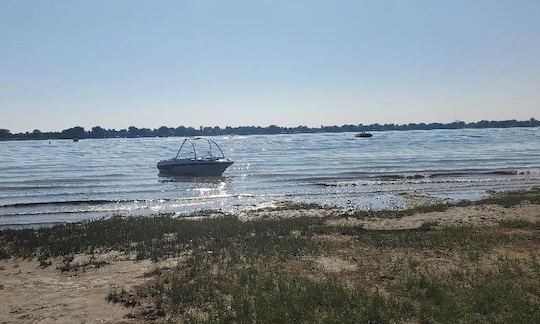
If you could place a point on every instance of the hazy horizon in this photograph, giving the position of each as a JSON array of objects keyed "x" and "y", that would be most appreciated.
[
  {"x": 243, "y": 63},
  {"x": 89, "y": 128}
]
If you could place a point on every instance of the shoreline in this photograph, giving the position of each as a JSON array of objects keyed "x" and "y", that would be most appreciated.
[
  {"x": 412, "y": 202},
  {"x": 137, "y": 269}
]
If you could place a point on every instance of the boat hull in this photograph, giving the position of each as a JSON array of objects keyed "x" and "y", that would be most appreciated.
[{"x": 195, "y": 169}]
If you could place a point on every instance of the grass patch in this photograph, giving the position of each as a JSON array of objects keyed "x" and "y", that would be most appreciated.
[
  {"x": 520, "y": 223},
  {"x": 513, "y": 198},
  {"x": 159, "y": 237},
  {"x": 257, "y": 297},
  {"x": 120, "y": 296},
  {"x": 219, "y": 289},
  {"x": 428, "y": 226},
  {"x": 162, "y": 237},
  {"x": 68, "y": 266},
  {"x": 507, "y": 293},
  {"x": 428, "y": 237},
  {"x": 225, "y": 286},
  {"x": 430, "y": 208}
]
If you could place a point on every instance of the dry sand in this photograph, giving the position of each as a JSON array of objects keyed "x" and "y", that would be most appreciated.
[
  {"x": 480, "y": 215},
  {"x": 30, "y": 294}
]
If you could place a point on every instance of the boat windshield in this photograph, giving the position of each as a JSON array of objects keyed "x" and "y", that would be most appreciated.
[{"x": 199, "y": 148}]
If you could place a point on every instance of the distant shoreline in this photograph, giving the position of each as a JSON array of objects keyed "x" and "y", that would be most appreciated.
[{"x": 182, "y": 131}]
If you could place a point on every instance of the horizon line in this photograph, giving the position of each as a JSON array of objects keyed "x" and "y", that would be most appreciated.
[
  {"x": 274, "y": 125},
  {"x": 79, "y": 132}
]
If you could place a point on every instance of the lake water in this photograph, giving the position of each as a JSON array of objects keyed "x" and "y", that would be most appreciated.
[{"x": 47, "y": 182}]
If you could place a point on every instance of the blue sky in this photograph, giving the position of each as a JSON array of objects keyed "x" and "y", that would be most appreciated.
[{"x": 118, "y": 63}]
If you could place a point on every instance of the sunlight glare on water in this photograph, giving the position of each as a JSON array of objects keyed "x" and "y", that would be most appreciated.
[{"x": 68, "y": 181}]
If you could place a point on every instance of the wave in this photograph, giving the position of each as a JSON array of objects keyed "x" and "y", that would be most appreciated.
[
  {"x": 56, "y": 212},
  {"x": 450, "y": 176},
  {"x": 476, "y": 172},
  {"x": 390, "y": 177},
  {"x": 420, "y": 174},
  {"x": 62, "y": 203},
  {"x": 120, "y": 201}
]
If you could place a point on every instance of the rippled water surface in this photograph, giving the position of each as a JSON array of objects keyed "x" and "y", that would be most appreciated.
[{"x": 47, "y": 182}]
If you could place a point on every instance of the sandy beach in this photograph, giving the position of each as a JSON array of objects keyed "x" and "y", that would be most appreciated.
[{"x": 121, "y": 284}]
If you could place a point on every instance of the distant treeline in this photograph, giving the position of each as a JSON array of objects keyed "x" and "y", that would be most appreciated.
[{"x": 163, "y": 131}]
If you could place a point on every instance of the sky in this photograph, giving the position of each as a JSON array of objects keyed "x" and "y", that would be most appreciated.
[{"x": 117, "y": 63}]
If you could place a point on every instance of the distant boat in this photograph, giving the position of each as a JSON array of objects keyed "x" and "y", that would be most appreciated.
[
  {"x": 75, "y": 140},
  {"x": 363, "y": 134},
  {"x": 207, "y": 165}
]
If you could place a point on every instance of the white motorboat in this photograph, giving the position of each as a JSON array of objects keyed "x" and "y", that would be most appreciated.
[{"x": 207, "y": 165}]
